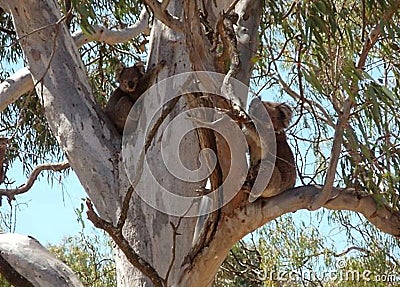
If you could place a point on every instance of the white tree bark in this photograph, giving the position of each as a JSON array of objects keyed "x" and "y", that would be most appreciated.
[
  {"x": 93, "y": 147},
  {"x": 149, "y": 230},
  {"x": 89, "y": 141},
  {"x": 61, "y": 82},
  {"x": 25, "y": 262},
  {"x": 21, "y": 82},
  {"x": 15, "y": 86}
]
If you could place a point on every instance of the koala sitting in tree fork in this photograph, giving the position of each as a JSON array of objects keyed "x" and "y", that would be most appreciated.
[{"x": 133, "y": 82}]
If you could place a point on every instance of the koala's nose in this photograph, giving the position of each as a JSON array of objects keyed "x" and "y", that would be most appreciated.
[{"x": 131, "y": 84}]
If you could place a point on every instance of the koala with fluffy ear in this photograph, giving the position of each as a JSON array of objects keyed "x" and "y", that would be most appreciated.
[
  {"x": 133, "y": 82},
  {"x": 284, "y": 172}
]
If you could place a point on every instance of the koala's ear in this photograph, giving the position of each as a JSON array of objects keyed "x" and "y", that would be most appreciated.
[
  {"x": 257, "y": 110},
  {"x": 140, "y": 66},
  {"x": 286, "y": 114},
  {"x": 118, "y": 70}
]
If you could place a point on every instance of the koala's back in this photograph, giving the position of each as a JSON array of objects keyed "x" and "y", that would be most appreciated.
[
  {"x": 285, "y": 162},
  {"x": 284, "y": 173},
  {"x": 118, "y": 108},
  {"x": 280, "y": 115}
]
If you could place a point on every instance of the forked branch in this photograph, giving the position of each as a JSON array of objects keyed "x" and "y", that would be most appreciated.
[
  {"x": 102, "y": 34},
  {"x": 347, "y": 106},
  {"x": 116, "y": 234},
  {"x": 160, "y": 12},
  {"x": 21, "y": 82},
  {"x": 11, "y": 193}
]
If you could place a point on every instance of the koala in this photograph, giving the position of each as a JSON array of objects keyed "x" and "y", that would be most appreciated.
[
  {"x": 284, "y": 171},
  {"x": 133, "y": 82}
]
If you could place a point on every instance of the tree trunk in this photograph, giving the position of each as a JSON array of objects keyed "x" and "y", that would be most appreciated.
[
  {"x": 159, "y": 230},
  {"x": 62, "y": 84},
  {"x": 93, "y": 147},
  {"x": 150, "y": 231},
  {"x": 154, "y": 240}
]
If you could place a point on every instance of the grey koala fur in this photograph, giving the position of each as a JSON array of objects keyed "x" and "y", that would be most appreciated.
[
  {"x": 284, "y": 172},
  {"x": 133, "y": 82}
]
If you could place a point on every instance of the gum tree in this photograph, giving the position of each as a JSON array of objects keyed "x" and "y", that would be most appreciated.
[{"x": 335, "y": 61}]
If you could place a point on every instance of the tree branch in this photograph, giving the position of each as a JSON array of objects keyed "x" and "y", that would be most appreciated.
[
  {"x": 102, "y": 34},
  {"x": 21, "y": 82},
  {"x": 25, "y": 262},
  {"x": 249, "y": 217},
  {"x": 160, "y": 12},
  {"x": 347, "y": 106},
  {"x": 12, "y": 276},
  {"x": 375, "y": 33},
  {"x": 249, "y": 12},
  {"x": 327, "y": 118},
  {"x": 116, "y": 234},
  {"x": 14, "y": 86},
  {"x": 11, "y": 193}
]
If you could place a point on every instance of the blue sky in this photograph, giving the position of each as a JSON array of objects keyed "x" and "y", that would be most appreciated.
[{"x": 47, "y": 212}]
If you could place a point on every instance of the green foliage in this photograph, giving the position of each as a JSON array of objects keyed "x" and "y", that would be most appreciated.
[
  {"x": 90, "y": 257},
  {"x": 4, "y": 283},
  {"x": 31, "y": 140},
  {"x": 289, "y": 252},
  {"x": 10, "y": 51},
  {"x": 311, "y": 53}
]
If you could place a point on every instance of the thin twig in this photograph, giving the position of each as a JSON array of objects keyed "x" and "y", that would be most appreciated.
[
  {"x": 41, "y": 28},
  {"x": 116, "y": 234},
  {"x": 327, "y": 118},
  {"x": 11, "y": 193},
  {"x": 348, "y": 105}
]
